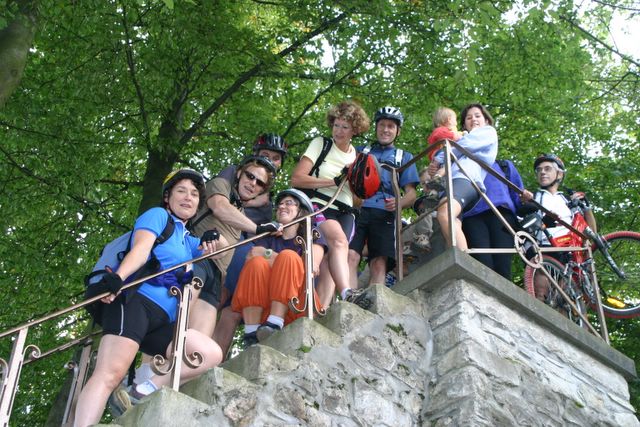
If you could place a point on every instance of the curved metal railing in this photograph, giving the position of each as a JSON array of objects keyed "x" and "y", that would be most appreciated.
[
  {"x": 520, "y": 237},
  {"x": 22, "y": 354}
]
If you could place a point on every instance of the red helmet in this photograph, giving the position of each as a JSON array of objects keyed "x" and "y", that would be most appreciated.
[{"x": 364, "y": 176}]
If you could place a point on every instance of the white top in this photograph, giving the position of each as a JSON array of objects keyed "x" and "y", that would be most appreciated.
[
  {"x": 558, "y": 204},
  {"x": 333, "y": 164}
]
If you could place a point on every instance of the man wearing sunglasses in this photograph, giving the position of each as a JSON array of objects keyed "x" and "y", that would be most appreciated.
[{"x": 226, "y": 210}]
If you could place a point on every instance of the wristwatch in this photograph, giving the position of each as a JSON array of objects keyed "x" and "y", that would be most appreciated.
[{"x": 268, "y": 253}]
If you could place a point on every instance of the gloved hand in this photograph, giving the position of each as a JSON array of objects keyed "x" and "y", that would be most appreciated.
[
  {"x": 269, "y": 227},
  {"x": 338, "y": 179},
  {"x": 109, "y": 282},
  {"x": 210, "y": 236}
]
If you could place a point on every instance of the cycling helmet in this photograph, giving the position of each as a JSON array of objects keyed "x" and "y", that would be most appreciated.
[
  {"x": 181, "y": 174},
  {"x": 263, "y": 161},
  {"x": 544, "y": 157},
  {"x": 391, "y": 113},
  {"x": 304, "y": 200},
  {"x": 270, "y": 141}
]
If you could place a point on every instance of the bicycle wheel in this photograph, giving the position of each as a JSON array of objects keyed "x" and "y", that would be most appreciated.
[
  {"x": 621, "y": 297},
  {"x": 538, "y": 285}
]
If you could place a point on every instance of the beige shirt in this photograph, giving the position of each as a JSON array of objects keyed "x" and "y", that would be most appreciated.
[
  {"x": 333, "y": 164},
  {"x": 207, "y": 220}
]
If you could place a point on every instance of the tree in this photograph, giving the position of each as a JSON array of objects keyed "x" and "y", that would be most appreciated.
[{"x": 115, "y": 94}]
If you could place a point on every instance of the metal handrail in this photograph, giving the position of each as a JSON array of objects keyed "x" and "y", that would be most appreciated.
[
  {"x": 449, "y": 155},
  {"x": 11, "y": 370}
]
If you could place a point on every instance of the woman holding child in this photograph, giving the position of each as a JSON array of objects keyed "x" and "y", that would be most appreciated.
[
  {"x": 317, "y": 177},
  {"x": 144, "y": 319},
  {"x": 481, "y": 141}
]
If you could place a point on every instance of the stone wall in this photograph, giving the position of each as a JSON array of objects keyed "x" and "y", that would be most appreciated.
[{"x": 463, "y": 346}]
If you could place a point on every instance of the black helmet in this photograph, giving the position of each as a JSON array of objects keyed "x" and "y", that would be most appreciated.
[
  {"x": 270, "y": 141},
  {"x": 549, "y": 158},
  {"x": 391, "y": 113},
  {"x": 181, "y": 174},
  {"x": 304, "y": 200}
]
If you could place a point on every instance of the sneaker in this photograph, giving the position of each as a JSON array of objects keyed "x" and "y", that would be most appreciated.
[
  {"x": 249, "y": 339},
  {"x": 359, "y": 297},
  {"x": 119, "y": 401},
  {"x": 122, "y": 399},
  {"x": 266, "y": 330},
  {"x": 422, "y": 242},
  {"x": 436, "y": 183}
]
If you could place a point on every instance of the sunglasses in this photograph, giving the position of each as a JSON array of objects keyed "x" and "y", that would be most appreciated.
[{"x": 252, "y": 177}]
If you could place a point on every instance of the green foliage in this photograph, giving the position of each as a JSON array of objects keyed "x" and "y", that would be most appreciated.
[{"x": 117, "y": 94}]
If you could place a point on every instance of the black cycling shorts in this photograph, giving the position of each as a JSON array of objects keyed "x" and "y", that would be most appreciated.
[
  {"x": 346, "y": 220},
  {"x": 465, "y": 193},
  {"x": 141, "y": 320},
  {"x": 211, "y": 290},
  {"x": 376, "y": 228}
]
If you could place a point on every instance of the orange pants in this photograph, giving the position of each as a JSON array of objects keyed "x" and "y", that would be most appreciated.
[{"x": 259, "y": 284}]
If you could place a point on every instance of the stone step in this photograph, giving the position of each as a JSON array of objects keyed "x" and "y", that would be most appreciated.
[
  {"x": 257, "y": 361},
  {"x": 342, "y": 317},
  {"x": 169, "y": 408},
  {"x": 234, "y": 395},
  {"x": 387, "y": 302},
  {"x": 300, "y": 336}
]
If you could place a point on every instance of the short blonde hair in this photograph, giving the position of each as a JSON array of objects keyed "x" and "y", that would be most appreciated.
[
  {"x": 352, "y": 112},
  {"x": 442, "y": 115}
]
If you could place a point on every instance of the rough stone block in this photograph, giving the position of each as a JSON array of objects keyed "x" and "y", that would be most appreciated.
[
  {"x": 301, "y": 336},
  {"x": 256, "y": 362},
  {"x": 386, "y": 302},
  {"x": 169, "y": 408},
  {"x": 342, "y": 317},
  {"x": 218, "y": 386}
]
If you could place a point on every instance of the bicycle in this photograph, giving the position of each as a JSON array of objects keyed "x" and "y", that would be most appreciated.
[{"x": 617, "y": 256}]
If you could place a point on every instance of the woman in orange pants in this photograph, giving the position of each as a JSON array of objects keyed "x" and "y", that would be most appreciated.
[{"x": 274, "y": 272}]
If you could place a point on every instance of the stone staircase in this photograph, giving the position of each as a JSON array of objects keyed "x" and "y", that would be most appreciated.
[
  {"x": 351, "y": 368},
  {"x": 484, "y": 353}
]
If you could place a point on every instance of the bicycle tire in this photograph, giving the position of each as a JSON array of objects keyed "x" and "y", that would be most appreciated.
[
  {"x": 625, "y": 250},
  {"x": 553, "y": 297}
]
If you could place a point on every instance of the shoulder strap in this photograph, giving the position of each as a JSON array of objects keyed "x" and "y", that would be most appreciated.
[
  {"x": 504, "y": 165},
  {"x": 167, "y": 232},
  {"x": 326, "y": 147},
  {"x": 399, "y": 156}
]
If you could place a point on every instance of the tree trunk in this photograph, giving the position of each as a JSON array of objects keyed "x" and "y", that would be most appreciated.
[{"x": 15, "y": 41}]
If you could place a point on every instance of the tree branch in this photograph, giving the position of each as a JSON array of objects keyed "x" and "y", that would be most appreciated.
[
  {"x": 598, "y": 41},
  {"x": 132, "y": 72},
  {"x": 247, "y": 75}
]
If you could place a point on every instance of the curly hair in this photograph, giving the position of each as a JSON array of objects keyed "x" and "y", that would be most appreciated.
[{"x": 352, "y": 112}]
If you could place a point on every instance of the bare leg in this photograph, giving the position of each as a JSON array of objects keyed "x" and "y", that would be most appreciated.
[
  {"x": 326, "y": 287},
  {"x": 196, "y": 342},
  {"x": 252, "y": 315},
  {"x": 114, "y": 358},
  {"x": 202, "y": 317},
  {"x": 338, "y": 253},
  {"x": 354, "y": 261},
  {"x": 226, "y": 328},
  {"x": 378, "y": 269},
  {"x": 443, "y": 220}
]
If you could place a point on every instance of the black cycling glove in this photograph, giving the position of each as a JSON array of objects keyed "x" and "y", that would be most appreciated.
[
  {"x": 110, "y": 282},
  {"x": 210, "y": 236},
  {"x": 338, "y": 179},
  {"x": 269, "y": 227}
]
